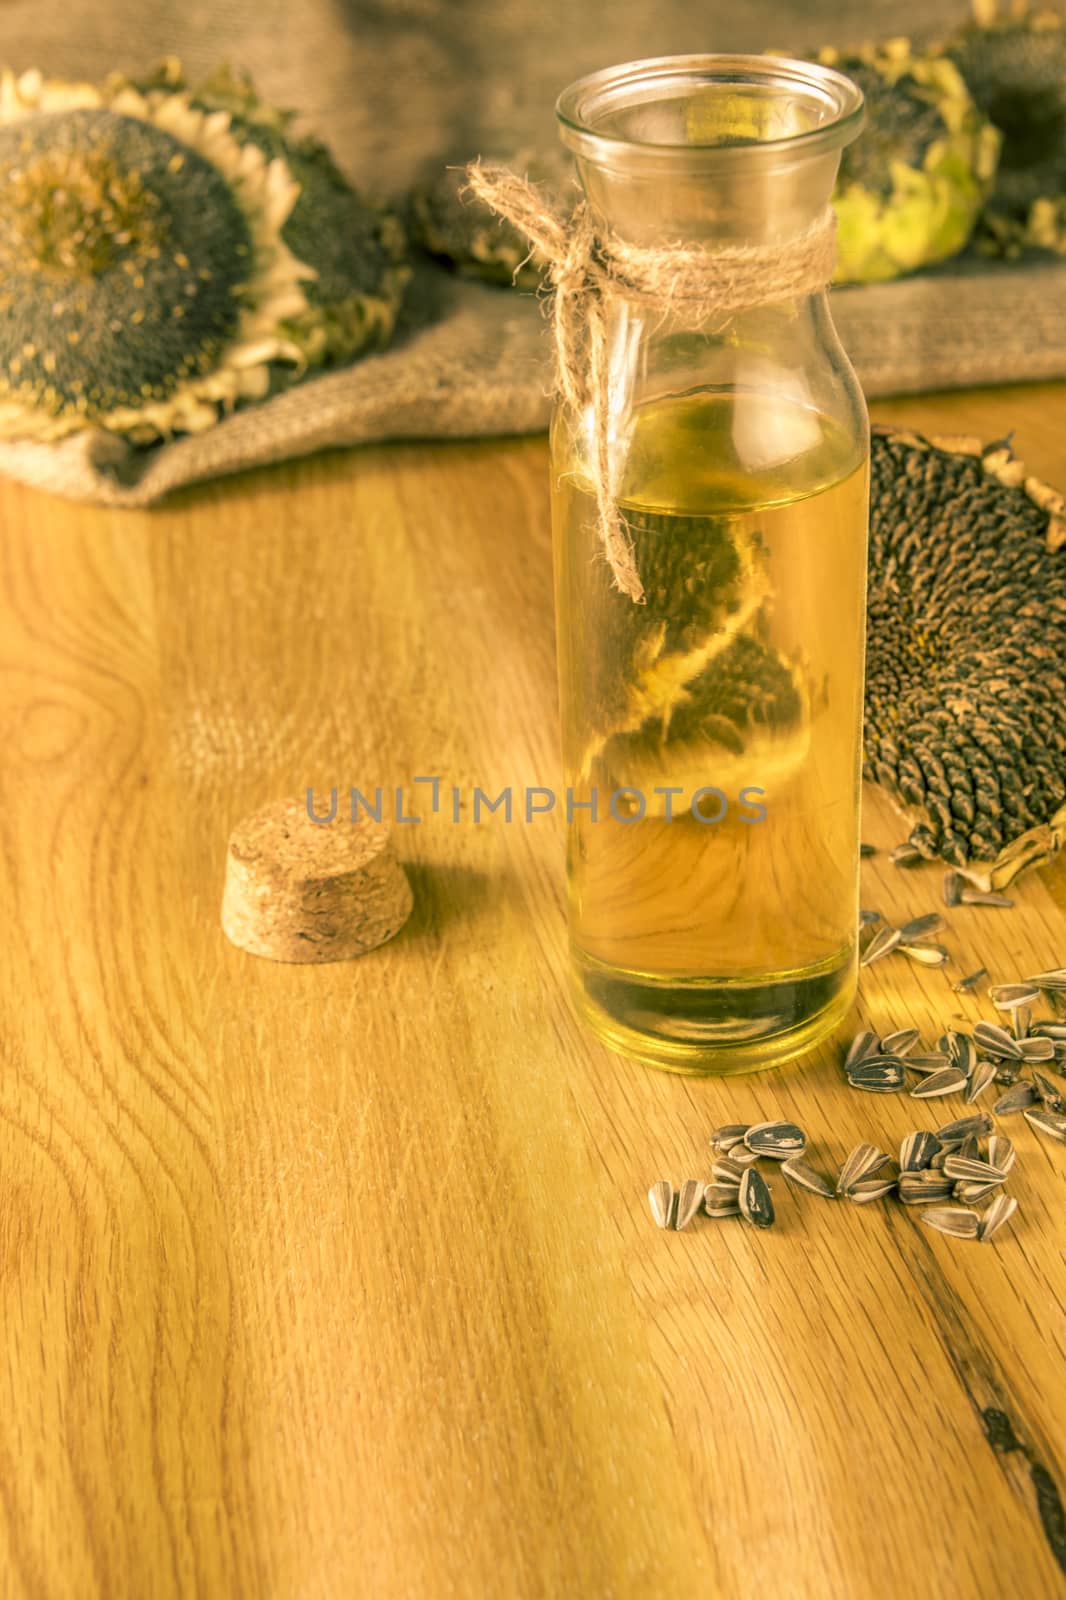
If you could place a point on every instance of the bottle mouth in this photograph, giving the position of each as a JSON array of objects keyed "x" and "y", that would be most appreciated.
[{"x": 709, "y": 113}]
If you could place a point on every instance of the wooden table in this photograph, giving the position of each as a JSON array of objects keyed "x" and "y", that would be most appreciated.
[{"x": 341, "y": 1280}]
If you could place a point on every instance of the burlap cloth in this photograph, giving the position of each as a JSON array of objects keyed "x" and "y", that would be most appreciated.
[{"x": 400, "y": 86}]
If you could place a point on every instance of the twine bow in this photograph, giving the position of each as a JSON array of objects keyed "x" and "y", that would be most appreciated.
[{"x": 588, "y": 267}]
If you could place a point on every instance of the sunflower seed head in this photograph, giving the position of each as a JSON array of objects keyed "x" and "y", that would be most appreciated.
[
  {"x": 863, "y": 1045},
  {"x": 1017, "y": 1097},
  {"x": 1008, "y": 996},
  {"x": 1049, "y": 1122},
  {"x": 952, "y": 1220},
  {"x": 868, "y": 1189},
  {"x": 974, "y": 1127},
  {"x": 969, "y": 896},
  {"x": 996, "y": 1041},
  {"x": 947, "y": 1081},
  {"x": 778, "y": 1140},
  {"x": 926, "y": 955},
  {"x": 968, "y": 984},
  {"x": 983, "y": 1074},
  {"x": 921, "y": 928},
  {"x": 864, "y": 1162},
  {"x": 952, "y": 888},
  {"x": 901, "y": 1042},
  {"x": 689, "y": 1201},
  {"x": 884, "y": 941},
  {"x": 755, "y": 1202},
  {"x": 965, "y": 1169},
  {"x": 661, "y": 1200},
  {"x": 1049, "y": 1093},
  {"x": 725, "y": 1170},
  {"x": 921, "y": 1188},
  {"x": 879, "y": 1075},
  {"x": 1038, "y": 1049},
  {"x": 721, "y": 1200},
  {"x": 996, "y": 1216},
  {"x": 917, "y": 1150},
  {"x": 723, "y": 1139},
  {"x": 805, "y": 1177},
  {"x": 1001, "y": 1153}
]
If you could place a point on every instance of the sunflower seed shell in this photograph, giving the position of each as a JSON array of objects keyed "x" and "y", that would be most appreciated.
[
  {"x": 661, "y": 1200},
  {"x": 805, "y": 1177},
  {"x": 953, "y": 1221},
  {"x": 997, "y": 1215},
  {"x": 689, "y": 1201},
  {"x": 948, "y": 1081},
  {"x": 1049, "y": 1122},
  {"x": 1017, "y": 1097}
]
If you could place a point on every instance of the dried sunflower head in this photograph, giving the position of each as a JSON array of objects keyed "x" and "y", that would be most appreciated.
[
  {"x": 1015, "y": 68},
  {"x": 966, "y": 654},
  {"x": 911, "y": 188},
  {"x": 447, "y": 221},
  {"x": 356, "y": 248},
  {"x": 145, "y": 282}
]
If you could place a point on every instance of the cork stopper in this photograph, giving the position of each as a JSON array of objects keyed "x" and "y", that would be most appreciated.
[{"x": 298, "y": 890}]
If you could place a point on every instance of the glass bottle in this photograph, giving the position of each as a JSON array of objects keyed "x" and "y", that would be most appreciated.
[{"x": 712, "y": 732}]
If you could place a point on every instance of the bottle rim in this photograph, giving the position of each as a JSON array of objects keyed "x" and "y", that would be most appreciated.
[{"x": 833, "y": 102}]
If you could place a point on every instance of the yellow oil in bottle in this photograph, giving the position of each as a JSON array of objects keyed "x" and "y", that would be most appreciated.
[{"x": 712, "y": 733}]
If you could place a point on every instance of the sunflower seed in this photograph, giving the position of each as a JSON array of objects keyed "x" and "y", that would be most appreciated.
[
  {"x": 927, "y": 1064},
  {"x": 948, "y": 1081},
  {"x": 721, "y": 1200},
  {"x": 878, "y": 1075},
  {"x": 868, "y": 1189},
  {"x": 917, "y": 1150},
  {"x": 898, "y": 1043},
  {"x": 969, "y": 896},
  {"x": 1049, "y": 1122},
  {"x": 725, "y": 1170},
  {"x": 778, "y": 1140},
  {"x": 969, "y": 1192},
  {"x": 996, "y": 1041},
  {"x": 1001, "y": 1153},
  {"x": 863, "y": 1162},
  {"x": 1038, "y": 1049},
  {"x": 1053, "y": 982},
  {"x": 1020, "y": 1018},
  {"x": 882, "y": 944},
  {"x": 964, "y": 1169},
  {"x": 688, "y": 1202},
  {"x": 868, "y": 918},
  {"x": 937, "y": 1163},
  {"x": 1050, "y": 1030},
  {"x": 867, "y": 850},
  {"x": 953, "y": 1221},
  {"x": 969, "y": 1149},
  {"x": 863, "y": 1045},
  {"x": 755, "y": 1202},
  {"x": 996, "y": 1216},
  {"x": 968, "y": 984},
  {"x": 800, "y": 1173},
  {"x": 1049, "y": 1093},
  {"x": 906, "y": 855},
  {"x": 920, "y": 1188},
  {"x": 723, "y": 1139},
  {"x": 963, "y": 1052},
  {"x": 1017, "y": 1097},
  {"x": 974, "y": 1127},
  {"x": 926, "y": 955},
  {"x": 1008, "y": 1072},
  {"x": 952, "y": 888},
  {"x": 661, "y": 1200},
  {"x": 1007, "y": 996},
  {"x": 983, "y": 1074},
  {"x": 921, "y": 927}
]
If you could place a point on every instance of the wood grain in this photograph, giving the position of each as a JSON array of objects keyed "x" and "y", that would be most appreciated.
[{"x": 340, "y": 1281}]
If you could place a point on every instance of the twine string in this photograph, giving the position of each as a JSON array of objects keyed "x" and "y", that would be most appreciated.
[{"x": 589, "y": 267}]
